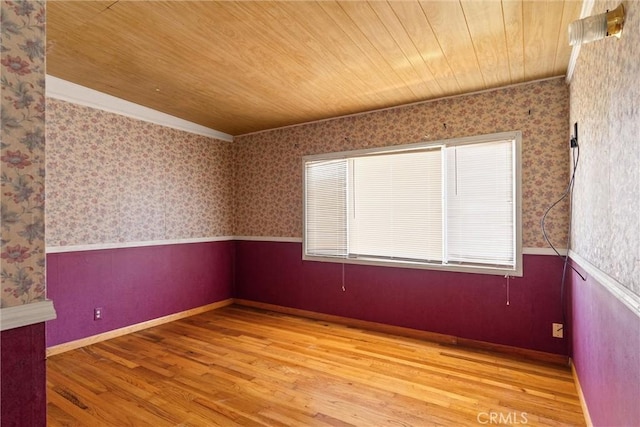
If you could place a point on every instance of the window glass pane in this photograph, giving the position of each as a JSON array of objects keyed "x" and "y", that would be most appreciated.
[{"x": 480, "y": 203}]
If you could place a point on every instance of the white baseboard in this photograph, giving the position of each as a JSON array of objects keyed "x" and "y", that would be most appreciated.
[{"x": 583, "y": 402}]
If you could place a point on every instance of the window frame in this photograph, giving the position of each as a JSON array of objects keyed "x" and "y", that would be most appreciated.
[{"x": 515, "y": 136}]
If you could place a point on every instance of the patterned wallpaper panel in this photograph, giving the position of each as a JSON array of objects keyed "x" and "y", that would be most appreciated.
[
  {"x": 112, "y": 179},
  {"x": 22, "y": 152},
  {"x": 269, "y": 169},
  {"x": 605, "y": 101}
]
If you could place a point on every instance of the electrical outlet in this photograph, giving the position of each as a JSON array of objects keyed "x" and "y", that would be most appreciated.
[
  {"x": 557, "y": 330},
  {"x": 97, "y": 313}
]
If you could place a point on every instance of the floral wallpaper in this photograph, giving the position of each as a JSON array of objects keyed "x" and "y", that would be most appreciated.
[
  {"x": 268, "y": 199},
  {"x": 605, "y": 101},
  {"x": 115, "y": 179},
  {"x": 22, "y": 73}
]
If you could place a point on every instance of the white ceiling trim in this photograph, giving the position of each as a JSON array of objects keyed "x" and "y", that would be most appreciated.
[
  {"x": 71, "y": 92},
  {"x": 587, "y": 7}
]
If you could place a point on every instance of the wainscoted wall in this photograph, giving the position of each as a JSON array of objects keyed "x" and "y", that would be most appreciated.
[
  {"x": 133, "y": 285},
  {"x": 605, "y": 98},
  {"x": 269, "y": 173},
  {"x": 474, "y": 306},
  {"x": 22, "y": 252},
  {"x": 269, "y": 203},
  {"x": 23, "y": 370},
  {"x": 606, "y": 353},
  {"x": 118, "y": 182}
]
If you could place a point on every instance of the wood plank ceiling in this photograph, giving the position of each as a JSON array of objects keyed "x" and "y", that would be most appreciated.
[{"x": 244, "y": 66}]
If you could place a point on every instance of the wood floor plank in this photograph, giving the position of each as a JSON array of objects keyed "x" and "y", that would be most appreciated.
[{"x": 250, "y": 367}]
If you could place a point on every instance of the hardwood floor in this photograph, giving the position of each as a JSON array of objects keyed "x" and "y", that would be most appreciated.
[{"x": 242, "y": 366}]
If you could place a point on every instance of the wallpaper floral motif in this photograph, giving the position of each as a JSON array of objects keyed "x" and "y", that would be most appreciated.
[
  {"x": 115, "y": 179},
  {"x": 605, "y": 101},
  {"x": 268, "y": 199},
  {"x": 22, "y": 152}
]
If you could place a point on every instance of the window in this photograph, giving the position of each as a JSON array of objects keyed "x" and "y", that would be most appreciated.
[{"x": 452, "y": 205}]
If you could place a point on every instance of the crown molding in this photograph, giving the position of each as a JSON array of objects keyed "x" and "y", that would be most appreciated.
[{"x": 74, "y": 93}]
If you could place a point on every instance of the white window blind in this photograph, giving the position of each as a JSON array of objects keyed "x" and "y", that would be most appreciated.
[
  {"x": 326, "y": 207},
  {"x": 452, "y": 205},
  {"x": 480, "y": 204},
  {"x": 397, "y": 206}
]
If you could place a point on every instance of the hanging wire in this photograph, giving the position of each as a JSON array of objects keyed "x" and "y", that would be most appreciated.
[
  {"x": 507, "y": 277},
  {"x": 565, "y": 194},
  {"x": 568, "y": 192}
]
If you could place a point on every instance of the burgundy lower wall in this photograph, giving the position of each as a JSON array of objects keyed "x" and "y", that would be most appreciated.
[
  {"x": 465, "y": 305},
  {"x": 606, "y": 353},
  {"x": 22, "y": 378},
  {"x": 133, "y": 285}
]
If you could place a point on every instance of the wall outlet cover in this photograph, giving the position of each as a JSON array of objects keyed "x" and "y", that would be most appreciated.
[{"x": 557, "y": 330}]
